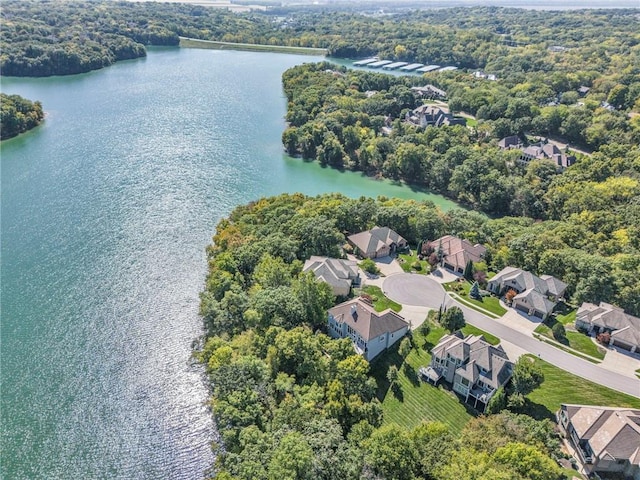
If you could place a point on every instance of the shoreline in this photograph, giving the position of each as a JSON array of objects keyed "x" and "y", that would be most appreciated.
[{"x": 186, "y": 42}]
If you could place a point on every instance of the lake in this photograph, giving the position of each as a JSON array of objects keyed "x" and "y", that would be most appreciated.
[{"x": 106, "y": 210}]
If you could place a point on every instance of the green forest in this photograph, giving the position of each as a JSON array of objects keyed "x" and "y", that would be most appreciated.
[
  {"x": 41, "y": 38},
  {"x": 17, "y": 115},
  {"x": 289, "y": 401}
]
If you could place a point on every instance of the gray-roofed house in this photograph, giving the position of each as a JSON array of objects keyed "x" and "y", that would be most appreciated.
[
  {"x": 546, "y": 151},
  {"x": 432, "y": 116},
  {"x": 457, "y": 252},
  {"x": 370, "y": 332},
  {"x": 624, "y": 328},
  {"x": 606, "y": 439},
  {"x": 474, "y": 367},
  {"x": 507, "y": 143},
  {"x": 536, "y": 296},
  {"x": 377, "y": 242},
  {"x": 338, "y": 273},
  {"x": 430, "y": 91}
]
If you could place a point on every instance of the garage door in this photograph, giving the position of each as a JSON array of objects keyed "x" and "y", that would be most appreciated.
[
  {"x": 621, "y": 345},
  {"x": 538, "y": 314},
  {"x": 522, "y": 308}
]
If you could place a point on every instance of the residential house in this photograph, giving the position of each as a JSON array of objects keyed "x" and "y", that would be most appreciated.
[
  {"x": 582, "y": 91},
  {"x": 371, "y": 332},
  {"x": 546, "y": 151},
  {"x": 377, "y": 242},
  {"x": 507, "y": 143},
  {"x": 487, "y": 76},
  {"x": 339, "y": 274},
  {"x": 606, "y": 439},
  {"x": 624, "y": 328},
  {"x": 455, "y": 252},
  {"x": 429, "y": 91},
  {"x": 536, "y": 296},
  {"x": 474, "y": 367},
  {"x": 431, "y": 115}
]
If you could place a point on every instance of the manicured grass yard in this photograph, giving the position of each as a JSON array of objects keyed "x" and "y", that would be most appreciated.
[
  {"x": 416, "y": 400},
  {"x": 491, "y": 303},
  {"x": 563, "y": 387},
  {"x": 576, "y": 340},
  {"x": 381, "y": 302},
  {"x": 407, "y": 263}
]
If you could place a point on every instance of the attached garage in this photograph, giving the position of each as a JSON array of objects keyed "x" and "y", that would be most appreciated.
[
  {"x": 619, "y": 344},
  {"x": 538, "y": 314},
  {"x": 522, "y": 308}
]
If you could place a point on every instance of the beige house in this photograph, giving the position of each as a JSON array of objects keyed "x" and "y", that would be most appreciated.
[
  {"x": 606, "y": 440},
  {"x": 536, "y": 296},
  {"x": 370, "y": 332},
  {"x": 377, "y": 242},
  {"x": 624, "y": 328},
  {"x": 474, "y": 367},
  {"x": 338, "y": 273},
  {"x": 455, "y": 252}
]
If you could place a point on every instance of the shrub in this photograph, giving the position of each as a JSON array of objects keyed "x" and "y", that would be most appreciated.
[
  {"x": 417, "y": 266},
  {"x": 559, "y": 332},
  {"x": 369, "y": 266},
  {"x": 604, "y": 338}
]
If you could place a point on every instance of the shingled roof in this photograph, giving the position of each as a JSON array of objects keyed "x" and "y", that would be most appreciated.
[{"x": 363, "y": 318}]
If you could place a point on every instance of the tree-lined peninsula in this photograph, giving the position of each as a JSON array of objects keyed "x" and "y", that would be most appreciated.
[{"x": 18, "y": 115}]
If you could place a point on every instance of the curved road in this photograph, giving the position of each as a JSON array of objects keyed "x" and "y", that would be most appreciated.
[{"x": 419, "y": 290}]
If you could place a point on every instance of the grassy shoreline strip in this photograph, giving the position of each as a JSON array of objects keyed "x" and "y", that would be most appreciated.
[{"x": 216, "y": 45}]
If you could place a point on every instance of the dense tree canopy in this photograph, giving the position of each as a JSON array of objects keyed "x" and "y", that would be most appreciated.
[
  {"x": 290, "y": 402},
  {"x": 18, "y": 115}
]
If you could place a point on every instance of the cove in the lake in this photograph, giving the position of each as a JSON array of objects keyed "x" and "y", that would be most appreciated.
[{"x": 106, "y": 211}]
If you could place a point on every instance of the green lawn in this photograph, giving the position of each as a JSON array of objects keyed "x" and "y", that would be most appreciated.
[
  {"x": 407, "y": 262},
  {"x": 416, "y": 401},
  {"x": 491, "y": 303},
  {"x": 563, "y": 387},
  {"x": 567, "y": 318},
  {"x": 576, "y": 340},
  {"x": 380, "y": 302}
]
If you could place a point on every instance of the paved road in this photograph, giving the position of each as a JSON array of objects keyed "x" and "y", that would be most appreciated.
[
  {"x": 414, "y": 289},
  {"x": 421, "y": 290}
]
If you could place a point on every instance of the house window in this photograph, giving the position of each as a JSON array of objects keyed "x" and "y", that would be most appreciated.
[
  {"x": 464, "y": 382},
  {"x": 382, "y": 339}
]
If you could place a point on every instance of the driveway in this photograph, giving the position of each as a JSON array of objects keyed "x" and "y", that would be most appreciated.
[
  {"x": 421, "y": 291},
  {"x": 414, "y": 289}
]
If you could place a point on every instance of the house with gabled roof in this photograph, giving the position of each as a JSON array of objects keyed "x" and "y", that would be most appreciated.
[
  {"x": 455, "y": 253},
  {"x": 546, "y": 151},
  {"x": 605, "y": 439},
  {"x": 377, "y": 242},
  {"x": 432, "y": 116},
  {"x": 536, "y": 296},
  {"x": 339, "y": 273},
  {"x": 474, "y": 367},
  {"x": 370, "y": 332},
  {"x": 624, "y": 328}
]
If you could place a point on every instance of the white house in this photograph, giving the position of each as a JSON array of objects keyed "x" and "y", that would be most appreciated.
[{"x": 371, "y": 332}]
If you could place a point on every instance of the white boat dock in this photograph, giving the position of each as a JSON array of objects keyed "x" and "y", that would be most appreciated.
[
  {"x": 411, "y": 66},
  {"x": 428, "y": 68},
  {"x": 366, "y": 61},
  {"x": 379, "y": 63},
  {"x": 393, "y": 66},
  {"x": 447, "y": 69}
]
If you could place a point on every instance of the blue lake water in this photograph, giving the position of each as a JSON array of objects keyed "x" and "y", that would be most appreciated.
[{"x": 106, "y": 211}]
